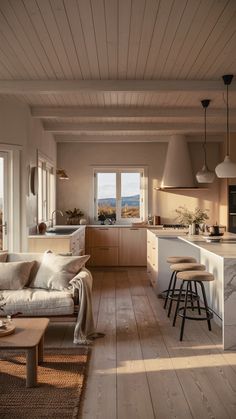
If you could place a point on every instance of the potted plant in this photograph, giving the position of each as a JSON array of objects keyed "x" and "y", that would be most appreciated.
[
  {"x": 73, "y": 216},
  {"x": 102, "y": 217},
  {"x": 192, "y": 219}
]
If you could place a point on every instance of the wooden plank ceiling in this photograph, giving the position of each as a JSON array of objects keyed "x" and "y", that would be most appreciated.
[{"x": 93, "y": 69}]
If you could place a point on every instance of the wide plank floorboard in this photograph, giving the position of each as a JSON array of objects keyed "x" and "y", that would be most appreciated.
[{"x": 140, "y": 369}]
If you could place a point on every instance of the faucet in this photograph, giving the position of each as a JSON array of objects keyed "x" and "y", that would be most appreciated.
[{"x": 53, "y": 213}]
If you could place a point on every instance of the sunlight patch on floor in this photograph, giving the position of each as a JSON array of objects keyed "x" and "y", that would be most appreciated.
[{"x": 167, "y": 364}]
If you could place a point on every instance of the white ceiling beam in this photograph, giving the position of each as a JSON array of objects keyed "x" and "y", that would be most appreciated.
[
  {"x": 119, "y": 138},
  {"x": 55, "y": 127},
  {"x": 125, "y": 112},
  {"x": 62, "y": 86}
]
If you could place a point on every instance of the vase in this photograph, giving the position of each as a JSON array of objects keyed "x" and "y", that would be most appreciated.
[{"x": 193, "y": 229}]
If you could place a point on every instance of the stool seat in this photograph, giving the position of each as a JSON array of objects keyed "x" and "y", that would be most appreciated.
[
  {"x": 178, "y": 267},
  {"x": 195, "y": 275},
  {"x": 180, "y": 259}
]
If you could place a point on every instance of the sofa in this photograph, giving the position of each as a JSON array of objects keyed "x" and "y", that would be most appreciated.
[{"x": 47, "y": 285}]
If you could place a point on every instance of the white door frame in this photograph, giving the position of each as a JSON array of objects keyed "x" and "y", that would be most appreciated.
[
  {"x": 12, "y": 185},
  {"x": 5, "y": 222}
]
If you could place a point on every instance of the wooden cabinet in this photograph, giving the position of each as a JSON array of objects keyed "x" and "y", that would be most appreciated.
[
  {"x": 116, "y": 246},
  {"x": 152, "y": 257},
  {"x": 74, "y": 243},
  {"x": 132, "y": 246},
  {"x": 102, "y": 245}
]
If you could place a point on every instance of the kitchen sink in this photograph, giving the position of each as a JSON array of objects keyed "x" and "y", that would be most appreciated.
[{"x": 61, "y": 231}]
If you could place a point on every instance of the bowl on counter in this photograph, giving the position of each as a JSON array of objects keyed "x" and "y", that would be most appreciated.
[{"x": 210, "y": 238}]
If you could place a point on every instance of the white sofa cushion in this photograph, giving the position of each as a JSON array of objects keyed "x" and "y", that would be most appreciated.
[
  {"x": 37, "y": 302},
  {"x": 14, "y": 275},
  {"x": 3, "y": 256},
  {"x": 56, "y": 271}
]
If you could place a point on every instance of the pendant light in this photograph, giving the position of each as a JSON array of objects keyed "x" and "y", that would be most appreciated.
[
  {"x": 205, "y": 175},
  {"x": 227, "y": 169}
]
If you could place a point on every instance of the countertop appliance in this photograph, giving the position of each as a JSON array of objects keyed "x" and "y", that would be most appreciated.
[{"x": 174, "y": 226}]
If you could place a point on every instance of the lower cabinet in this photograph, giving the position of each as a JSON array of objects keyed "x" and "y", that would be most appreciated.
[
  {"x": 74, "y": 243},
  {"x": 132, "y": 247},
  {"x": 104, "y": 256},
  {"x": 102, "y": 245},
  {"x": 152, "y": 257},
  {"x": 116, "y": 246}
]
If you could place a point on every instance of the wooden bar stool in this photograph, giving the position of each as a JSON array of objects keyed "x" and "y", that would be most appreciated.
[
  {"x": 172, "y": 260},
  {"x": 173, "y": 292},
  {"x": 196, "y": 277}
]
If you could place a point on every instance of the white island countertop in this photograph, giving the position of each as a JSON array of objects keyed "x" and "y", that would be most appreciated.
[
  {"x": 219, "y": 259},
  {"x": 226, "y": 248}
]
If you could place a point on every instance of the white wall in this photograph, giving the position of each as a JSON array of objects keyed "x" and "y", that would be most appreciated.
[
  {"x": 78, "y": 159},
  {"x": 19, "y": 128}
]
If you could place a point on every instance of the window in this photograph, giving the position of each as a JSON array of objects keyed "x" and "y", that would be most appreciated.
[
  {"x": 46, "y": 188},
  {"x": 120, "y": 194}
]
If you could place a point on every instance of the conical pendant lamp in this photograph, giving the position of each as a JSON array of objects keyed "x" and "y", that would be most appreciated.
[
  {"x": 227, "y": 169},
  {"x": 205, "y": 175}
]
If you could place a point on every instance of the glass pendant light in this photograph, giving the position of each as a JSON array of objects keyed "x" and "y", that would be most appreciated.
[
  {"x": 205, "y": 175},
  {"x": 227, "y": 169}
]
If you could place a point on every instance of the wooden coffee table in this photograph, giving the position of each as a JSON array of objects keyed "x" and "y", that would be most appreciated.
[{"x": 28, "y": 336}]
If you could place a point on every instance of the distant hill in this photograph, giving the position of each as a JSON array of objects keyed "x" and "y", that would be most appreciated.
[{"x": 131, "y": 201}]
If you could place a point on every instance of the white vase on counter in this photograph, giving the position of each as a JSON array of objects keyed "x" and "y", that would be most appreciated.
[{"x": 193, "y": 229}]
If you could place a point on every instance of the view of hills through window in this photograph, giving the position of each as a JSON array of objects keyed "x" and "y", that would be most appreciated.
[{"x": 122, "y": 188}]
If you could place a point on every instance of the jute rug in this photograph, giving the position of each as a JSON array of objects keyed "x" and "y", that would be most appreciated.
[{"x": 61, "y": 379}]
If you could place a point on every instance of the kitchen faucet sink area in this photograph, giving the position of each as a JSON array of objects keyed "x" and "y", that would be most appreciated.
[{"x": 61, "y": 231}]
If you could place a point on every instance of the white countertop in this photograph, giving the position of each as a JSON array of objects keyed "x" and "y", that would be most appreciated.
[
  {"x": 49, "y": 235},
  {"x": 223, "y": 248},
  {"x": 169, "y": 232},
  {"x": 124, "y": 226}
]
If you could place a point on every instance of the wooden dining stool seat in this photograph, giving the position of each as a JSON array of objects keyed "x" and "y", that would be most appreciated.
[
  {"x": 171, "y": 260},
  {"x": 180, "y": 259},
  {"x": 173, "y": 292},
  {"x": 196, "y": 277}
]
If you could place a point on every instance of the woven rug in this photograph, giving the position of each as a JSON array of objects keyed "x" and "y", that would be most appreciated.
[{"x": 61, "y": 379}]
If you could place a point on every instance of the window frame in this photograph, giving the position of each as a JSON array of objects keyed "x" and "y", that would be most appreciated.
[
  {"x": 143, "y": 191},
  {"x": 46, "y": 197}
]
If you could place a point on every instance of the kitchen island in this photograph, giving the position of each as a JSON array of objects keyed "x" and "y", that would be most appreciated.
[{"x": 219, "y": 259}]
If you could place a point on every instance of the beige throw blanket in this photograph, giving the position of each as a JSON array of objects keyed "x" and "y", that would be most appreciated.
[{"x": 84, "y": 330}]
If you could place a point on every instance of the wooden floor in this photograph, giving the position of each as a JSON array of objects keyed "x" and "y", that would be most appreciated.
[{"x": 141, "y": 370}]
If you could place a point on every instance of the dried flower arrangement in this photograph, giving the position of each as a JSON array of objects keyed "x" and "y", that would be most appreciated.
[{"x": 187, "y": 217}]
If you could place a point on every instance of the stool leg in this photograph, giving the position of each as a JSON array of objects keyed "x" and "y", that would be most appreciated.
[
  {"x": 169, "y": 288},
  {"x": 172, "y": 294},
  {"x": 198, "y": 303},
  {"x": 205, "y": 303},
  {"x": 184, "y": 312},
  {"x": 191, "y": 296},
  {"x": 178, "y": 302}
]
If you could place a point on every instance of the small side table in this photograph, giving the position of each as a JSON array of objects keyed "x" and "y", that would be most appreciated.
[{"x": 28, "y": 336}]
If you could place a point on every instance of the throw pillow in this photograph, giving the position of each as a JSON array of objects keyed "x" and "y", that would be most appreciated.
[
  {"x": 56, "y": 271},
  {"x": 14, "y": 275},
  {"x": 3, "y": 256}
]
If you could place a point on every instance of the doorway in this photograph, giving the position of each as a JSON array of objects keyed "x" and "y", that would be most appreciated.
[{"x": 4, "y": 200}]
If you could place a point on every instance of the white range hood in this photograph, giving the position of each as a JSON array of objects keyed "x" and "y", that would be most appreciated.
[{"x": 178, "y": 169}]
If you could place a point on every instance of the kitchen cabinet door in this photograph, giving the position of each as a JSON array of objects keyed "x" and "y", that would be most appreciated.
[
  {"x": 152, "y": 257},
  {"x": 104, "y": 256},
  {"x": 103, "y": 236},
  {"x": 132, "y": 247}
]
